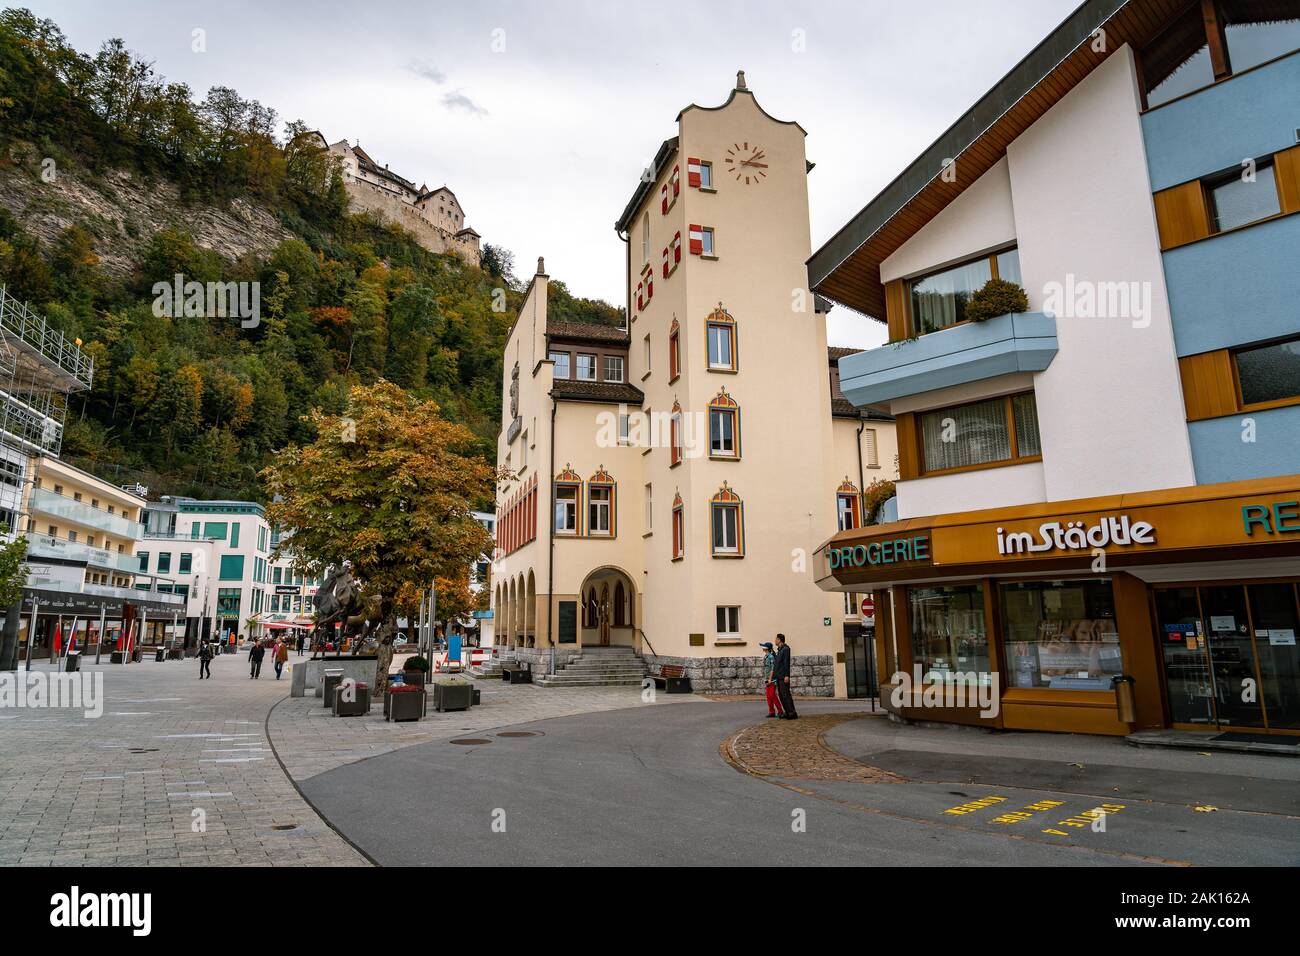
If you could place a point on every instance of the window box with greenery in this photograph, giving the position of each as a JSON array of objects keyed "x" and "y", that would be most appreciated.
[
  {"x": 942, "y": 299},
  {"x": 415, "y": 670}
]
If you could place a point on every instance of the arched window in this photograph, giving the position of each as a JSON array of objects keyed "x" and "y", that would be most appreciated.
[
  {"x": 679, "y": 529},
  {"x": 568, "y": 502},
  {"x": 675, "y": 436},
  {"x": 620, "y": 600},
  {"x": 848, "y": 505},
  {"x": 674, "y": 351},
  {"x": 589, "y": 608},
  {"x": 727, "y": 523}
]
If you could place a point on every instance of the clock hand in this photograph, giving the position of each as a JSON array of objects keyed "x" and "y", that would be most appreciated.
[{"x": 756, "y": 165}]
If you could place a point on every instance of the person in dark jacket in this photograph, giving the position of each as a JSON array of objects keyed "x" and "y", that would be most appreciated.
[
  {"x": 205, "y": 660},
  {"x": 255, "y": 660},
  {"x": 781, "y": 673}
]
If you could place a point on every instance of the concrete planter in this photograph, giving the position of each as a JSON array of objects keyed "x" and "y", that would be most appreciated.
[
  {"x": 452, "y": 697},
  {"x": 358, "y": 707},
  {"x": 405, "y": 706}
]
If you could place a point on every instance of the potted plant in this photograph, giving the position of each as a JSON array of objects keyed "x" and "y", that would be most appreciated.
[
  {"x": 415, "y": 670},
  {"x": 997, "y": 297},
  {"x": 404, "y": 702},
  {"x": 452, "y": 693}
]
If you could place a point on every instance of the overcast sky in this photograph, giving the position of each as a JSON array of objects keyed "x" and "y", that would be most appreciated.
[{"x": 540, "y": 114}]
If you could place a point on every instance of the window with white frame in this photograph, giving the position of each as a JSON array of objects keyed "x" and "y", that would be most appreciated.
[
  {"x": 566, "y": 509},
  {"x": 561, "y": 360},
  {"x": 728, "y": 620},
  {"x": 613, "y": 368},
  {"x": 586, "y": 368},
  {"x": 726, "y": 528},
  {"x": 599, "y": 506}
]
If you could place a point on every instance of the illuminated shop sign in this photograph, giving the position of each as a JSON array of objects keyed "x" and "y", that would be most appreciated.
[
  {"x": 1077, "y": 536},
  {"x": 876, "y": 553}
]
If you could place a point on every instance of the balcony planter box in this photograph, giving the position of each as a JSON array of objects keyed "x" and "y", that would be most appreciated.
[
  {"x": 405, "y": 705},
  {"x": 353, "y": 708},
  {"x": 448, "y": 696},
  {"x": 970, "y": 352}
]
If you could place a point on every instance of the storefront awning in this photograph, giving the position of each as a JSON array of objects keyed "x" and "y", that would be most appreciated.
[{"x": 1259, "y": 518}]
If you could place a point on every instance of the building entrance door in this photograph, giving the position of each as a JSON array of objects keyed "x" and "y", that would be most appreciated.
[
  {"x": 1230, "y": 655},
  {"x": 860, "y": 661}
]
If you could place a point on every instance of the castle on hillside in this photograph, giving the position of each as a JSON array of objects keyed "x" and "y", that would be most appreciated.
[{"x": 433, "y": 216}]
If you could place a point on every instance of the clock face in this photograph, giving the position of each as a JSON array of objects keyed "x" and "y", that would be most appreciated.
[{"x": 746, "y": 163}]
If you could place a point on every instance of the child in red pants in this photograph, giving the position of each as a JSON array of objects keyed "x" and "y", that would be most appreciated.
[{"x": 769, "y": 662}]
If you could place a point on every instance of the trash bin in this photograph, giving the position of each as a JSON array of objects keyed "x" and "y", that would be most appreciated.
[
  {"x": 333, "y": 677},
  {"x": 1125, "y": 698},
  {"x": 160, "y": 655},
  {"x": 137, "y": 655},
  {"x": 72, "y": 663}
]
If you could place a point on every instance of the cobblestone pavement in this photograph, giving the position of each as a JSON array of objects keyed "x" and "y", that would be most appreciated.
[
  {"x": 310, "y": 741},
  {"x": 123, "y": 789},
  {"x": 796, "y": 750}
]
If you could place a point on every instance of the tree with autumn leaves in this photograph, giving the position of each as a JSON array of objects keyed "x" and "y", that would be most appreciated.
[{"x": 390, "y": 486}]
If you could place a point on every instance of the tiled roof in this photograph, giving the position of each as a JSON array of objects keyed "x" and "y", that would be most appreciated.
[
  {"x": 587, "y": 331},
  {"x": 841, "y": 407},
  {"x": 613, "y": 392},
  {"x": 837, "y": 352}
]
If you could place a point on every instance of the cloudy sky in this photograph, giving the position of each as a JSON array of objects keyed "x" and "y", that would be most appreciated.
[{"x": 540, "y": 114}]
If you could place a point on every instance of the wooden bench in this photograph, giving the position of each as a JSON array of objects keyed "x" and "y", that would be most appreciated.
[
  {"x": 673, "y": 679},
  {"x": 517, "y": 672}
]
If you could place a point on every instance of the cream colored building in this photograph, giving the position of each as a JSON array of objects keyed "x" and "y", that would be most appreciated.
[{"x": 671, "y": 480}]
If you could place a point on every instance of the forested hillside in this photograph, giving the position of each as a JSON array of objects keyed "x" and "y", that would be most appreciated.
[{"x": 113, "y": 179}]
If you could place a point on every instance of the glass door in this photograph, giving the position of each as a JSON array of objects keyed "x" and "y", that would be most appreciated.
[
  {"x": 1232, "y": 656},
  {"x": 1190, "y": 689},
  {"x": 1275, "y": 617}
]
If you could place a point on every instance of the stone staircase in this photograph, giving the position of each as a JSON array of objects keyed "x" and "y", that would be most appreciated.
[
  {"x": 489, "y": 668},
  {"x": 598, "y": 667}
]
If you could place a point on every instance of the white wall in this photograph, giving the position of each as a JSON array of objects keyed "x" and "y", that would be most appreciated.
[
  {"x": 1110, "y": 405},
  {"x": 979, "y": 220}
]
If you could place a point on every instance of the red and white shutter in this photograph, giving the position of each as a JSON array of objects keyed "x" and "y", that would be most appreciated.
[
  {"x": 649, "y": 284},
  {"x": 693, "y": 172},
  {"x": 697, "y": 240},
  {"x": 640, "y": 295},
  {"x": 677, "y": 248},
  {"x": 677, "y": 181},
  {"x": 663, "y": 199},
  {"x": 665, "y": 262}
]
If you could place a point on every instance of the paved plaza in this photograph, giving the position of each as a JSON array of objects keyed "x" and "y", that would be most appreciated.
[{"x": 235, "y": 772}]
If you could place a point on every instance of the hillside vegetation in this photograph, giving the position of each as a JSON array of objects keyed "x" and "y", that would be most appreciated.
[{"x": 113, "y": 179}]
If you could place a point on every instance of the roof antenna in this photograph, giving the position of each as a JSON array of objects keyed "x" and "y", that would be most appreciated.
[{"x": 740, "y": 80}]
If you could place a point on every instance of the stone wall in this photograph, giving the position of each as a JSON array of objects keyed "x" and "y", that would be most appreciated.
[
  {"x": 363, "y": 197},
  {"x": 810, "y": 676}
]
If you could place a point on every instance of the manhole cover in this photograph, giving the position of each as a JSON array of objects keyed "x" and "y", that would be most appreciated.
[
  {"x": 470, "y": 741},
  {"x": 519, "y": 733}
]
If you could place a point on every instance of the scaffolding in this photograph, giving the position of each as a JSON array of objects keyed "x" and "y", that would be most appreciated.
[{"x": 39, "y": 369}]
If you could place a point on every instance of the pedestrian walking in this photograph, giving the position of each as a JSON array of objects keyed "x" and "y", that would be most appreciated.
[
  {"x": 255, "y": 660},
  {"x": 205, "y": 660},
  {"x": 302, "y": 642},
  {"x": 769, "y": 682},
  {"x": 281, "y": 657},
  {"x": 781, "y": 673}
]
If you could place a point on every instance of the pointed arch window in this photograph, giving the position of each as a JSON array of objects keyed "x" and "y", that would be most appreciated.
[
  {"x": 724, "y": 427},
  {"x": 720, "y": 336},
  {"x": 848, "y": 505},
  {"x": 602, "y": 504},
  {"x": 568, "y": 502},
  {"x": 620, "y": 605},
  {"x": 675, "y": 436},
  {"x": 679, "y": 528},
  {"x": 589, "y": 607},
  {"x": 727, "y": 523},
  {"x": 674, "y": 351}
]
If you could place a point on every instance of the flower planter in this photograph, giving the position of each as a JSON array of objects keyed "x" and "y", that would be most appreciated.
[
  {"x": 415, "y": 678},
  {"x": 358, "y": 707},
  {"x": 405, "y": 705},
  {"x": 452, "y": 697}
]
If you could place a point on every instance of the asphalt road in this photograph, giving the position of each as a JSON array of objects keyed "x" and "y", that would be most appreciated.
[{"x": 648, "y": 786}]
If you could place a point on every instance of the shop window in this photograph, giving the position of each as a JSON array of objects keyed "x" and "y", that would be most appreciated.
[
  {"x": 727, "y": 520},
  {"x": 1237, "y": 200},
  {"x": 949, "y": 640},
  {"x": 1061, "y": 634},
  {"x": 724, "y": 427},
  {"x": 993, "y": 432},
  {"x": 1269, "y": 374}
]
